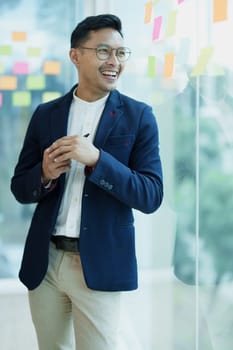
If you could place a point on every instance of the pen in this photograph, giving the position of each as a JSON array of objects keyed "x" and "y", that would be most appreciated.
[{"x": 86, "y": 135}]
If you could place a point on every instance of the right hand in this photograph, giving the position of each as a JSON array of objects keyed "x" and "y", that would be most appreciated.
[{"x": 52, "y": 169}]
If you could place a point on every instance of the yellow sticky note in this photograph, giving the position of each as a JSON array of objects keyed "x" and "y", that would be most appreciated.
[
  {"x": 8, "y": 83},
  {"x": 171, "y": 26},
  {"x": 21, "y": 98},
  {"x": 169, "y": 65},
  {"x": 19, "y": 36},
  {"x": 5, "y": 50},
  {"x": 35, "y": 82},
  {"x": 202, "y": 62},
  {"x": 50, "y": 95},
  {"x": 148, "y": 12},
  {"x": 219, "y": 10},
  {"x": 52, "y": 67},
  {"x": 34, "y": 51},
  {"x": 151, "y": 66}
]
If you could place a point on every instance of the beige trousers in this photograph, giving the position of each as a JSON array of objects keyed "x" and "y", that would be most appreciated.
[{"x": 67, "y": 315}]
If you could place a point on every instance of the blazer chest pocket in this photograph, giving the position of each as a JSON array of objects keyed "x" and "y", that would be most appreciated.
[
  {"x": 120, "y": 146},
  {"x": 123, "y": 142}
]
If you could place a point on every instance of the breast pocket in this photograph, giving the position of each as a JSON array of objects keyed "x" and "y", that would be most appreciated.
[{"x": 120, "y": 146}]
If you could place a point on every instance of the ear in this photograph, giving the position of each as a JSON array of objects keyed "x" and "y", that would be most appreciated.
[{"x": 74, "y": 56}]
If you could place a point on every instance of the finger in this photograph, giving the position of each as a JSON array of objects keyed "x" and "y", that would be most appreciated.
[{"x": 63, "y": 141}]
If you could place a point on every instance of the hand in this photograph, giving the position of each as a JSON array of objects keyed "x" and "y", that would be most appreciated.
[
  {"x": 52, "y": 170},
  {"x": 57, "y": 158}
]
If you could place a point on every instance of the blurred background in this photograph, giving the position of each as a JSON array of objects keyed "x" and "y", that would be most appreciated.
[{"x": 182, "y": 65}]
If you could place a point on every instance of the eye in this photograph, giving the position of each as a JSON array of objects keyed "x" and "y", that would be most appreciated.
[
  {"x": 103, "y": 50},
  {"x": 122, "y": 52}
]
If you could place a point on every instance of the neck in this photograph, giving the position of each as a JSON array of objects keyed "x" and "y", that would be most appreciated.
[{"x": 84, "y": 95}]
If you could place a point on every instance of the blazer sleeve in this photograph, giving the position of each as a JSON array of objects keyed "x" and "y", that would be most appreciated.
[
  {"x": 26, "y": 182},
  {"x": 138, "y": 184}
]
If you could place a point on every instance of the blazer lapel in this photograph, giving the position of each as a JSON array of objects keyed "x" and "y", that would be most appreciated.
[
  {"x": 59, "y": 117},
  {"x": 110, "y": 117}
]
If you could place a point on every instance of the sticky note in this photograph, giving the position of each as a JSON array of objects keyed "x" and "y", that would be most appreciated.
[
  {"x": 157, "y": 27},
  {"x": 148, "y": 12},
  {"x": 21, "y": 68},
  {"x": 1, "y": 99},
  {"x": 169, "y": 65},
  {"x": 1, "y": 67},
  {"x": 34, "y": 51},
  {"x": 219, "y": 10},
  {"x": 202, "y": 62},
  {"x": 52, "y": 67},
  {"x": 8, "y": 83},
  {"x": 19, "y": 36},
  {"x": 50, "y": 95},
  {"x": 171, "y": 26},
  {"x": 180, "y": 1},
  {"x": 6, "y": 50},
  {"x": 151, "y": 66},
  {"x": 21, "y": 98},
  {"x": 35, "y": 82}
]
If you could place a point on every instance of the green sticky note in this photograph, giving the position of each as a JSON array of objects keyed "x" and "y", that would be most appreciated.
[
  {"x": 50, "y": 95},
  {"x": 35, "y": 82},
  {"x": 202, "y": 62},
  {"x": 34, "y": 51},
  {"x": 171, "y": 26},
  {"x": 151, "y": 71},
  {"x": 21, "y": 99},
  {"x": 5, "y": 50}
]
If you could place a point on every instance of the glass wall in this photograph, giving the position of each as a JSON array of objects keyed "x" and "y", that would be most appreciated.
[
  {"x": 34, "y": 67},
  {"x": 181, "y": 65}
]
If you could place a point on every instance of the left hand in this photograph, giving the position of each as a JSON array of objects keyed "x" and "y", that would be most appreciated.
[{"x": 75, "y": 147}]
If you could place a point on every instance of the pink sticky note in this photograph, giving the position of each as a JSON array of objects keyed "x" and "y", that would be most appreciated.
[
  {"x": 180, "y": 1},
  {"x": 1, "y": 100},
  {"x": 21, "y": 68},
  {"x": 157, "y": 27}
]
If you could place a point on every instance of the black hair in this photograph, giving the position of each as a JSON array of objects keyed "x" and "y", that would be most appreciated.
[{"x": 82, "y": 31}]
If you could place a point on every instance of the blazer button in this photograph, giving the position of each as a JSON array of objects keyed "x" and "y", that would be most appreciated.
[{"x": 34, "y": 193}]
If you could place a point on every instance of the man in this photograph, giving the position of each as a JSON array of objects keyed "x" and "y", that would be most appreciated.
[{"x": 88, "y": 158}]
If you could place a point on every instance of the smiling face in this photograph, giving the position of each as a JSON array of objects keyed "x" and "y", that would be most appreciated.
[{"x": 97, "y": 77}]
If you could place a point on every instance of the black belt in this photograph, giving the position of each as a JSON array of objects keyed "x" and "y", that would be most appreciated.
[{"x": 68, "y": 244}]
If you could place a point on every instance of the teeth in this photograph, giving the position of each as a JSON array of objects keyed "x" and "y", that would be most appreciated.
[{"x": 112, "y": 74}]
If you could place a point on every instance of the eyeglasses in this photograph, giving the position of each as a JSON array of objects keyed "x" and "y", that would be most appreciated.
[{"x": 103, "y": 52}]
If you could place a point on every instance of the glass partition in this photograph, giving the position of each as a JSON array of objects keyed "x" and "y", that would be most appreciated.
[{"x": 34, "y": 67}]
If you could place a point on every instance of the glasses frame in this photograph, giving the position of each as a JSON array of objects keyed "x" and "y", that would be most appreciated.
[{"x": 128, "y": 51}]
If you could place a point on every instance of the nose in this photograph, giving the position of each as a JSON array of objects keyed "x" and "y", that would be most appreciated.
[{"x": 113, "y": 58}]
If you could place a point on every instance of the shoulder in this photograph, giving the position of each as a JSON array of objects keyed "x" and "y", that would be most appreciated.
[{"x": 130, "y": 101}]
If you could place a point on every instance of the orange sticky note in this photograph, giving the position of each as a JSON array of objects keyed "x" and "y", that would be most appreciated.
[
  {"x": 219, "y": 10},
  {"x": 19, "y": 36},
  {"x": 148, "y": 12},
  {"x": 52, "y": 67},
  {"x": 8, "y": 83},
  {"x": 169, "y": 65}
]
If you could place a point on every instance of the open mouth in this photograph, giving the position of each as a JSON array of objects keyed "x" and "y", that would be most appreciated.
[{"x": 109, "y": 74}]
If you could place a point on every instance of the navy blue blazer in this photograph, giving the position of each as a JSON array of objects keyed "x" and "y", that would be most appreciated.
[{"x": 128, "y": 175}]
